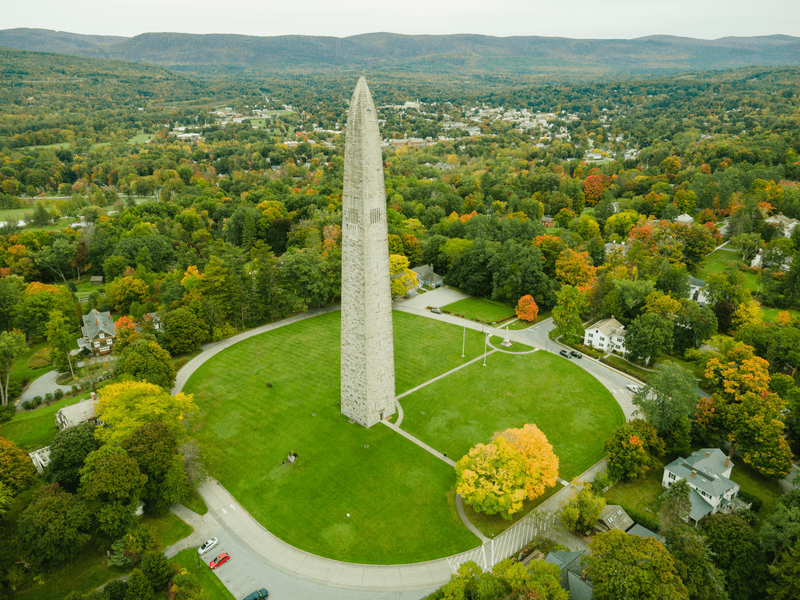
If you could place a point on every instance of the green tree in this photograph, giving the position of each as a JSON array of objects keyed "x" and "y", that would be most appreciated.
[
  {"x": 127, "y": 405},
  {"x": 68, "y": 452},
  {"x": 156, "y": 568},
  {"x": 53, "y": 527},
  {"x": 675, "y": 505},
  {"x": 581, "y": 511},
  {"x": 139, "y": 587},
  {"x": 735, "y": 551},
  {"x": 184, "y": 331},
  {"x": 781, "y": 529},
  {"x": 785, "y": 584},
  {"x": 111, "y": 484},
  {"x": 145, "y": 360},
  {"x": 155, "y": 449},
  {"x": 12, "y": 293},
  {"x": 12, "y": 346},
  {"x": 633, "y": 567},
  {"x": 648, "y": 337},
  {"x": 632, "y": 450},
  {"x": 567, "y": 313},
  {"x": 6, "y": 496},
  {"x": 16, "y": 468},
  {"x": 61, "y": 340},
  {"x": 693, "y": 561},
  {"x": 669, "y": 395}
]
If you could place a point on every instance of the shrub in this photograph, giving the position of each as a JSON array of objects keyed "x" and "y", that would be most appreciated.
[
  {"x": 37, "y": 400},
  {"x": 48, "y": 397},
  {"x": 74, "y": 390},
  {"x": 26, "y": 405},
  {"x": 40, "y": 359},
  {"x": 643, "y": 519},
  {"x": 58, "y": 394},
  {"x": 747, "y": 497}
]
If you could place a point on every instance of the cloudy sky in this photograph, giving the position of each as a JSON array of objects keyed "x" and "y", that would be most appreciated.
[{"x": 707, "y": 19}]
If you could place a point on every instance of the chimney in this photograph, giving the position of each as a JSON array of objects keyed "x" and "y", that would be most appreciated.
[
  {"x": 708, "y": 454},
  {"x": 727, "y": 461},
  {"x": 694, "y": 473},
  {"x": 94, "y": 396}
]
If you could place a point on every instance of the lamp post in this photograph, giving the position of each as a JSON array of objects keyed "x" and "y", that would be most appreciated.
[{"x": 485, "y": 344}]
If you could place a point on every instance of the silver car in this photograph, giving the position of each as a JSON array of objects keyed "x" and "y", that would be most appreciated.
[{"x": 207, "y": 546}]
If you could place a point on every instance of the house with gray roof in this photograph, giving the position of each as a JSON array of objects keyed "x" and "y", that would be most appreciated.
[
  {"x": 607, "y": 335},
  {"x": 98, "y": 332},
  {"x": 684, "y": 219},
  {"x": 84, "y": 411},
  {"x": 426, "y": 276},
  {"x": 615, "y": 517},
  {"x": 707, "y": 472},
  {"x": 697, "y": 291},
  {"x": 645, "y": 533},
  {"x": 572, "y": 565}
]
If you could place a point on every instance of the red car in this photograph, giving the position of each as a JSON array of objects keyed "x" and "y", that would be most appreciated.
[{"x": 221, "y": 559}]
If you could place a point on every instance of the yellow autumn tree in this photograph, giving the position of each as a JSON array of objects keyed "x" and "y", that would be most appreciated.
[
  {"x": 125, "y": 406},
  {"x": 403, "y": 279},
  {"x": 575, "y": 268},
  {"x": 747, "y": 313},
  {"x": 541, "y": 463},
  {"x": 491, "y": 478}
]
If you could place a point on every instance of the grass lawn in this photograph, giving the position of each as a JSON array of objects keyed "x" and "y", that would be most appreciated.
[
  {"x": 209, "y": 581},
  {"x": 140, "y": 138},
  {"x": 31, "y": 430},
  {"x": 168, "y": 528},
  {"x": 627, "y": 367},
  {"x": 21, "y": 370},
  {"x": 571, "y": 407},
  {"x": 195, "y": 503},
  {"x": 515, "y": 347},
  {"x": 753, "y": 483},
  {"x": 719, "y": 260},
  {"x": 480, "y": 309},
  {"x": 377, "y": 476},
  {"x": 770, "y": 314},
  {"x": 639, "y": 494}
]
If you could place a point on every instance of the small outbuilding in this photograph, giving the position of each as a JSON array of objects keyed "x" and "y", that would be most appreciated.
[{"x": 84, "y": 411}]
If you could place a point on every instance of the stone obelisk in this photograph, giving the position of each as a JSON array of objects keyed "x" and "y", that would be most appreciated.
[{"x": 367, "y": 339}]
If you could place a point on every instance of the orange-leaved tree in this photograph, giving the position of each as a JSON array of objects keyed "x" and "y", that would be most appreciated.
[
  {"x": 541, "y": 463},
  {"x": 527, "y": 310}
]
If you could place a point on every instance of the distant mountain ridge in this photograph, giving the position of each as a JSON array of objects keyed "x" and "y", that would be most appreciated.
[{"x": 429, "y": 53}]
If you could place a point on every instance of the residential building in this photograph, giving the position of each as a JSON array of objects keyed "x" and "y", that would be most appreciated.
[
  {"x": 615, "y": 517},
  {"x": 607, "y": 335},
  {"x": 697, "y": 291},
  {"x": 684, "y": 219},
  {"x": 98, "y": 332},
  {"x": 707, "y": 472},
  {"x": 785, "y": 223},
  {"x": 84, "y": 411},
  {"x": 426, "y": 276},
  {"x": 572, "y": 565}
]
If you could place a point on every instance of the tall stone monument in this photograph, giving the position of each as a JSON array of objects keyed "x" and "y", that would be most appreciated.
[{"x": 367, "y": 339}]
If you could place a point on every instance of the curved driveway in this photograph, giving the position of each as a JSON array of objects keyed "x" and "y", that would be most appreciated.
[{"x": 267, "y": 555}]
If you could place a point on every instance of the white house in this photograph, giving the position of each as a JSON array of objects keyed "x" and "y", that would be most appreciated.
[
  {"x": 785, "y": 222},
  {"x": 77, "y": 414},
  {"x": 707, "y": 472},
  {"x": 697, "y": 291},
  {"x": 608, "y": 335},
  {"x": 684, "y": 219}
]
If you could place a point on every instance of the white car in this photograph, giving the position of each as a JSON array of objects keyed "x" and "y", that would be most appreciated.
[
  {"x": 207, "y": 546},
  {"x": 633, "y": 388}
]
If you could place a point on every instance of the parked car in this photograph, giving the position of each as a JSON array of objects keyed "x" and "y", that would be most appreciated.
[
  {"x": 576, "y": 354},
  {"x": 262, "y": 593},
  {"x": 564, "y": 353},
  {"x": 207, "y": 546},
  {"x": 220, "y": 560},
  {"x": 436, "y": 311},
  {"x": 633, "y": 388}
]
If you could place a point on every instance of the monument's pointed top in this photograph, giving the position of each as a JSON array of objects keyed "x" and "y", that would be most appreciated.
[{"x": 362, "y": 100}]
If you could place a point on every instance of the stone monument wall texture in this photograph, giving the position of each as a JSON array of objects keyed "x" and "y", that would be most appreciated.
[{"x": 368, "y": 393}]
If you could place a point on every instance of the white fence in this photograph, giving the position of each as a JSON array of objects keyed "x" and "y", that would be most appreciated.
[{"x": 511, "y": 541}]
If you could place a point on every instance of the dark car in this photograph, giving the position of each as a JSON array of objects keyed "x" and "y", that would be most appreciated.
[
  {"x": 564, "y": 353},
  {"x": 576, "y": 354},
  {"x": 262, "y": 593}
]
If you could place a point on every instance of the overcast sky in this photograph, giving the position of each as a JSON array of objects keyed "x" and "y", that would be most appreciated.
[{"x": 707, "y": 19}]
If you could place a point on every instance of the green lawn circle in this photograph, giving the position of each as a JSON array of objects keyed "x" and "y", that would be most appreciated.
[{"x": 399, "y": 497}]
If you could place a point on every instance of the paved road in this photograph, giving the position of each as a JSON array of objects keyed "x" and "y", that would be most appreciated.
[{"x": 46, "y": 384}]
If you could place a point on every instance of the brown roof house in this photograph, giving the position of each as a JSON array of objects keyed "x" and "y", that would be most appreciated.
[{"x": 98, "y": 332}]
